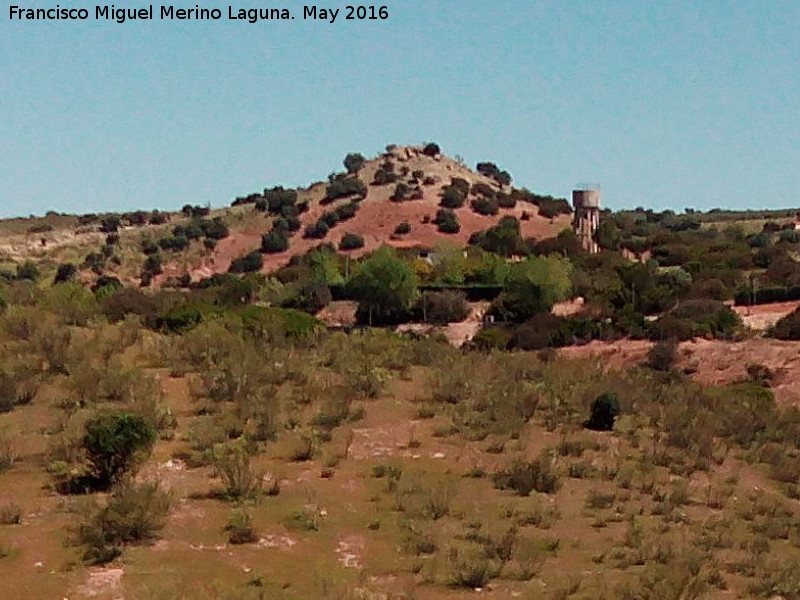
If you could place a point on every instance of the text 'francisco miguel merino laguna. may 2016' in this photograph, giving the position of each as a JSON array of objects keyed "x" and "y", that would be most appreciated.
[{"x": 152, "y": 12}]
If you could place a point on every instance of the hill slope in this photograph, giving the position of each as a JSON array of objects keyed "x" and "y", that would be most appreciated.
[{"x": 378, "y": 215}]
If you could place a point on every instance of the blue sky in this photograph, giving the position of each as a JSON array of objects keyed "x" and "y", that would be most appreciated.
[{"x": 666, "y": 104}]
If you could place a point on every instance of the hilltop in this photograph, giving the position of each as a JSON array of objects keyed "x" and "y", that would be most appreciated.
[{"x": 391, "y": 199}]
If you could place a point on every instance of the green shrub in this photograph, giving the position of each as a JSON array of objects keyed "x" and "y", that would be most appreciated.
[
  {"x": 431, "y": 149},
  {"x": 275, "y": 241},
  {"x": 65, "y": 272},
  {"x": 788, "y": 328},
  {"x": 403, "y": 228},
  {"x": 250, "y": 263},
  {"x": 114, "y": 442},
  {"x": 351, "y": 241},
  {"x": 447, "y": 221},
  {"x": 485, "y": 206},
  {"x": 240, "y": 528},
  {"x": 524, "y": 477},
  {"x": 316, "y": 231},
  {"x": 696, "y": 318},
  {"x": 452, "y": 197},
  {"x": 232, "y": 464},
  {"x": 604, "y": 411},
  {"x": 134, "y": 514},
  {"x": 492, "y": 338}
]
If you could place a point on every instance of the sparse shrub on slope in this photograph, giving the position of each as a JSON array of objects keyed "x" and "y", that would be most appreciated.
[
  {"x": 250, "y": 263},
  {"x": 485, "y": 206},
  {"x": 525, "y": 477},
  {"x": 275, "y": 241},
  {"x": 341, "y": 188},
  {"x": 788, "y": 328},
  {"x": 134, "y": 514},
  {"x": 351, "y": 241},
  {"x": 663, "y": 355},
  {"x": 447, "y": 221}
]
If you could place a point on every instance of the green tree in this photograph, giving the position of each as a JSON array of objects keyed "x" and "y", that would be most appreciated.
[
  {"x": 449, "y": 264},
  {"x": 384, "y": 285},
  {"x": 113, "y": 443},
  {"x": 533, "y": 286},
  {"x": 353, "y": 162}
]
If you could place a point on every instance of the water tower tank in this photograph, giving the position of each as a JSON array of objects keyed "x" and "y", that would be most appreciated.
[{"x": 586, "y": 198}]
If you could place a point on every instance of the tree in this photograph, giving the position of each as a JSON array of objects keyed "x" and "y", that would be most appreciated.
[
  {"x": 384, "y": 285},
  {"x": 533, "y": 286},
  {"x": 114, "y": 442},
  {"x": 431, "y": 149},
  {"x": 449, "y": 264},
  {"x": 354, "y": 162}
]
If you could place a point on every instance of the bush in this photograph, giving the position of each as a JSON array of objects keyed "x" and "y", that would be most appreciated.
[
  {"x": 663, "y": 355},
  {"x": 152, "y": 265},
  {"x": 492, "y": 338},
  {"x": 275, "y": 241},
  {"x": 316, "y": 231},
  {"x": 27, "y": 271},
  {"x": 114, "y": 443},
  {"x": 431, "y": 149},
  {"x": 485, "y": 206},
  {"x": 447, "y": 221},
  {"x": 10, "y": 514},
  {"x": 175, "y": 243},
  {"x": 403, "y": 228},
  {"x": 110, "y": 224},
  {"x": 232, "y": 464},
  {"x": 443, "y": 307},
  {"x": 347, "y": 211},
  {"x": 340, "y": 188},
  {"x": 788, "y": 328},
  {"x": 134, "y": 514},
  {"x": 351, "y": 241},
  {"x": 240, "y": 528},
  {"x": 65, "y": 272},
  {"x": 452, "y": 198},
  {"x": 696, "y": 318},
  {"x": 250, "y": 263},
  {"x": 604, "y": 411},
  {"x": 525, "y": 477}
]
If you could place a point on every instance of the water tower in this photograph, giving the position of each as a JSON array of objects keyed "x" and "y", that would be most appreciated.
[{"x": 586, "y": 200}]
